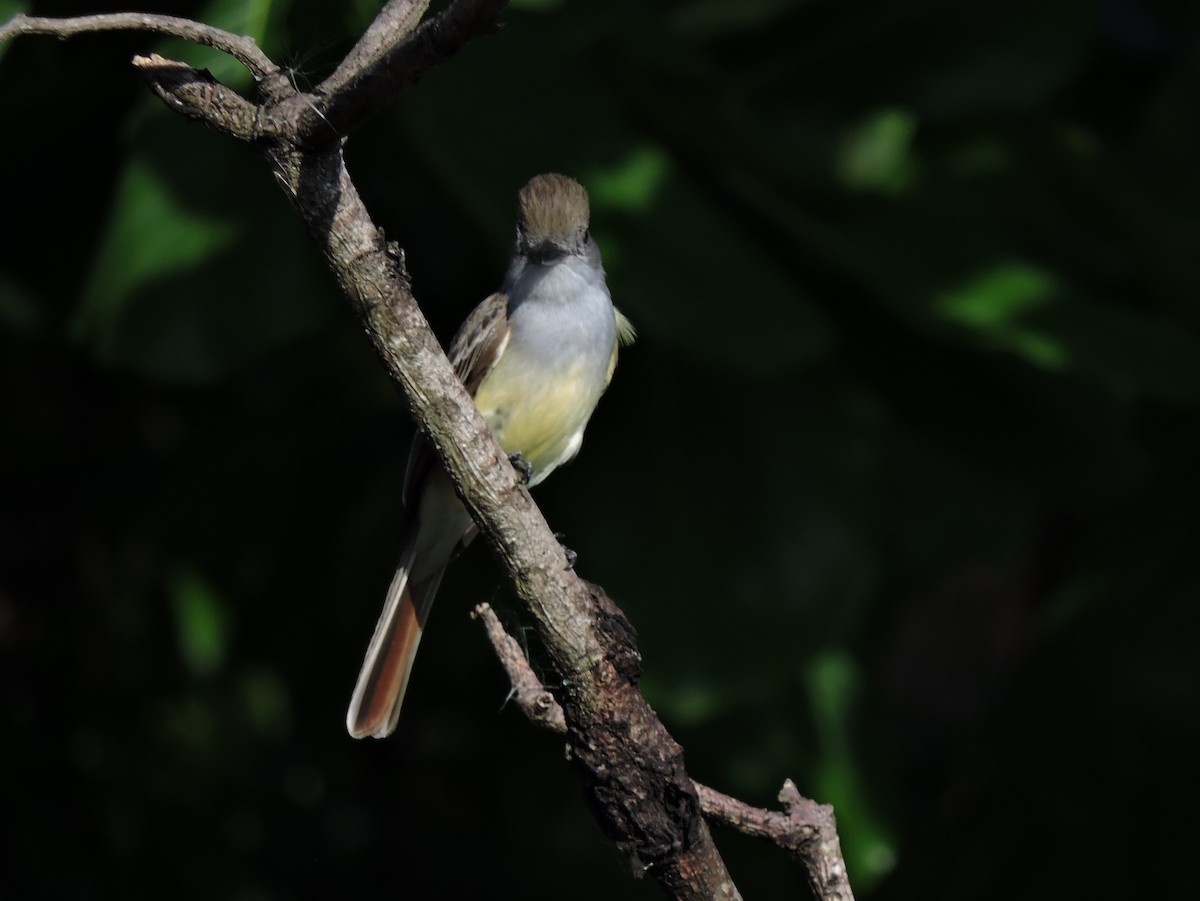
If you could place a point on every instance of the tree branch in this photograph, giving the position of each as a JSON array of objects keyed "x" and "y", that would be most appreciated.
[
  {"x": 805, "y": 829},
  {"x": 240, "y": 47},
  {"x": 632, "y": 768},
  {"x": 532, "y": 697},
  {"x": 394, "y": 52},
  {"x": 196, "y": 94}
]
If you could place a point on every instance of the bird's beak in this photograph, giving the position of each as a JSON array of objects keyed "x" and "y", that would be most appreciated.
[{"x": 546, "y": 253}]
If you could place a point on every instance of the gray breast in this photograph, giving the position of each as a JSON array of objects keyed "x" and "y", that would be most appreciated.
[{"x": 562, "y": 315}]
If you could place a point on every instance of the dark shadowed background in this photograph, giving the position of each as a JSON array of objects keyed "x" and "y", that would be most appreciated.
[{"x": 899, "y": 485}]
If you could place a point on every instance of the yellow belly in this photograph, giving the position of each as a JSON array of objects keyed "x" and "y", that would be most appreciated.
[{"x": 538, "y": 417}]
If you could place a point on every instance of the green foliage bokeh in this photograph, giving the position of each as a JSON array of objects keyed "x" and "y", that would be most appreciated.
[{"x": 898, "y": 485}]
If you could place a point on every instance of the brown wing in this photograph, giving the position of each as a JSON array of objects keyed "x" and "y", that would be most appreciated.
[
  {"x": 473, "y": 352},
  {"x": 480, "y": 341}
]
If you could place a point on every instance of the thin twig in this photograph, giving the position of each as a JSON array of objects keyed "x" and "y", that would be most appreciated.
[
  {"x": 805, "y": 829},
  {"x": 240, "y": 47},
  {"x": 535, "y": 701}
]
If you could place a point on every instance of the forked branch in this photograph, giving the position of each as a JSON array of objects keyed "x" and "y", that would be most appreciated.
[{"x": 804, "y": 829}]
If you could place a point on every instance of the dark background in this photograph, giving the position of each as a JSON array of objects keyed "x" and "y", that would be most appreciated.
[{"x": 899, "y": 484}]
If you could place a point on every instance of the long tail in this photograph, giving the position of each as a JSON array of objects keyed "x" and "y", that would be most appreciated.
[{"x": 375, "y": 706}]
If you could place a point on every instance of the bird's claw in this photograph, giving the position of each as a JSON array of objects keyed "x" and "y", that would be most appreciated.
[
  {"x": 567, "y": 552},
  {"x": 523, "y": 467}
]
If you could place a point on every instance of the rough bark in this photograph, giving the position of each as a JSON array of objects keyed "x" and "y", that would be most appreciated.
[{"x": 805, "y": 829}]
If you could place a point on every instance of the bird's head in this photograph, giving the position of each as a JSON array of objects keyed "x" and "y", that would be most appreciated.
[{"x": 552, "y": 218}]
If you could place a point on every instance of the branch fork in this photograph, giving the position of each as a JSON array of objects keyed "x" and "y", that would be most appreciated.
[{"x": 805, "y": 829}]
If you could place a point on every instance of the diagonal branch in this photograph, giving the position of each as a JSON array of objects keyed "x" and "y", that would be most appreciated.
[
  {"x": 240, "y": 47},
  {"x": 630, "y": 766},
  {"x": 805, "y": 829}
]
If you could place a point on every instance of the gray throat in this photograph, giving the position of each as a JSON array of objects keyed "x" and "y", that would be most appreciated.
[{"x": 561, "y": 313}]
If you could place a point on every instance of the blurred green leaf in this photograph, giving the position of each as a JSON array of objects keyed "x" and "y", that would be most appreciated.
[
  {"x": 191, "y": 279},
  {"x": 153, "y": 235},
  {"x": 877, "y": 155},
  {"x": 687, "y": 702},
  {"x": 997, "y": 305},
  {"x": 202, "y": 622},
  {"x": 1024, "y": 310},
  {"x": 834, "y": 682},
  {"x": 629, "y": 186}
]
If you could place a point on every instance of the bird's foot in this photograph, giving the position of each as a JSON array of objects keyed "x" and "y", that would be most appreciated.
[
  {"x": 567, "y": 552},
  {"x": 523, "y": 467}
]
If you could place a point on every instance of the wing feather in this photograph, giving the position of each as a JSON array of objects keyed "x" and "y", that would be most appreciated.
[
  {"x": 480, "y": 341},
  {"x": 473, "y": 352},
  {"x": 626, "y": 332}
]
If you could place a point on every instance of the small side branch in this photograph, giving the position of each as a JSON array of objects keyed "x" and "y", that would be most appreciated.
[
  {"x": 196, "y": 94},
  {"x": 535, "y": 701},
  {"x": 240, "y": 47},
  {"x": 805, "y": 829}
]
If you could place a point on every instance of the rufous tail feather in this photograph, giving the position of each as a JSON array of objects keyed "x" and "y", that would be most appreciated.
[{"x": 375, "y": 706}]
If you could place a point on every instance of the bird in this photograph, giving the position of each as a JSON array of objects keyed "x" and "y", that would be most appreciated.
[{"x": 535, "y": 356}]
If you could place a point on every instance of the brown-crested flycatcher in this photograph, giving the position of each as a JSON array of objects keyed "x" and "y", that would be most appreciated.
[{"x": 536, "y": 356}]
